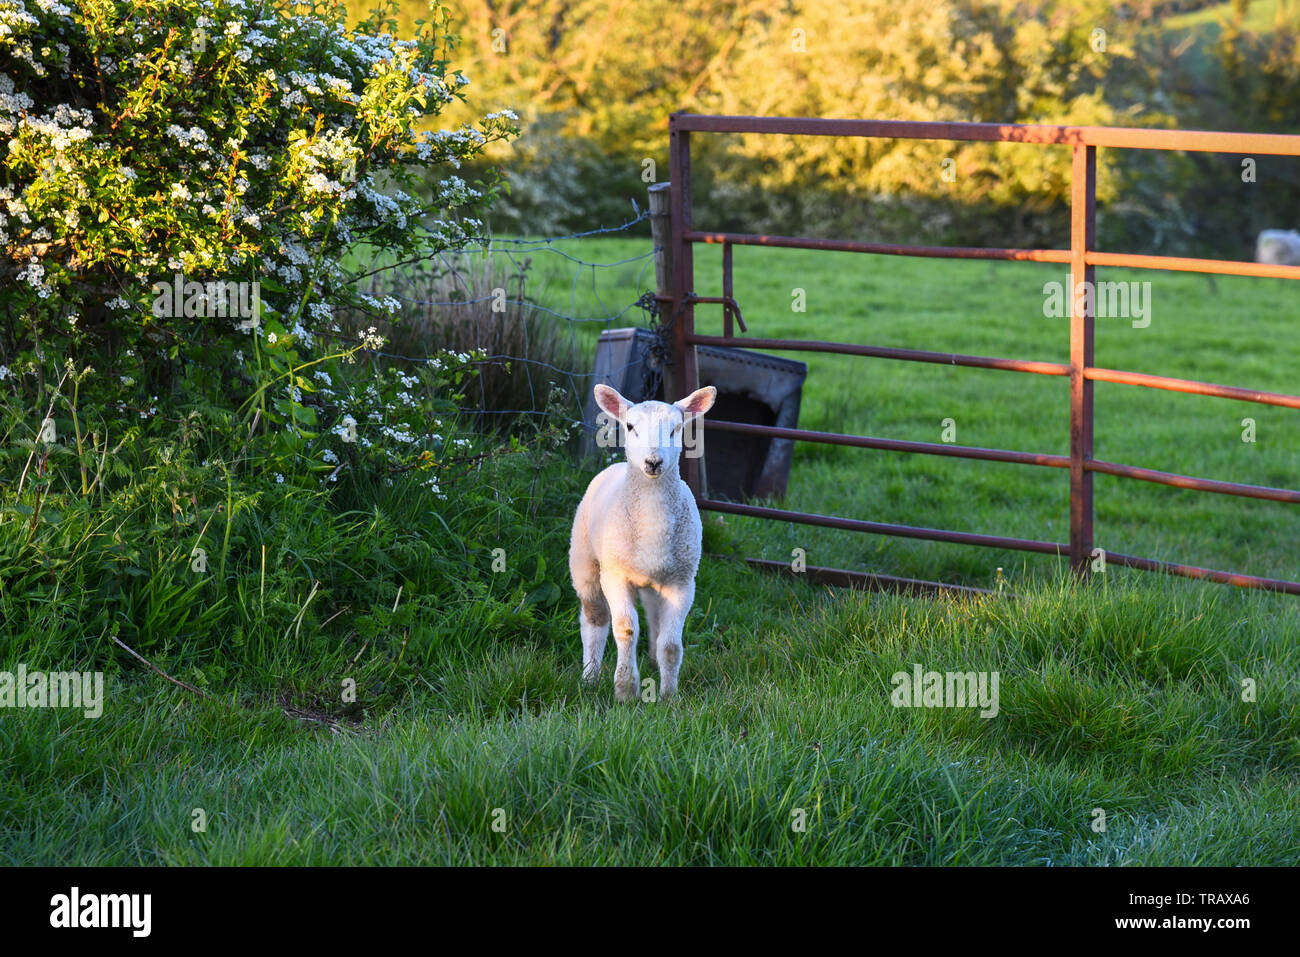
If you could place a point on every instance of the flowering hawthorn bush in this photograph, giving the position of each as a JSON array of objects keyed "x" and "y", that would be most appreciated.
[{"x": 182, "y": 186}]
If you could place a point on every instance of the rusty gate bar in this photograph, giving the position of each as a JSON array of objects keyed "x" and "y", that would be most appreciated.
[
  {"x": 881, "y": 528},
  {"x": 1207, "y": 574},
  {"x": 1192, "y": 386},
  {"x": 1228, "y": 267},
  {"x": 898, "y": 445},
  {"x": 840, "y": 578},
  {"x": 1191, "y": 482},
  {"x": 1014, "y": 365},
  {"x": 884, "y": 352},
  {"x": 1082, "y": 259},
  {"x": 1017, "y": 458},
  {"x": 1223, "y": 267},
  {"x": 727, "y": 291},
  {"x": 1083, "y": 235},
  {"x": 885, "y": 249},
  {"x": 1201, "y": 141}
]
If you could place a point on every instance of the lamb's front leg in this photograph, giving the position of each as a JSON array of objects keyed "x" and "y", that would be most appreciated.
[
  {"x": 674, "y": 605},
  {"x": 593, "y": 618},
  {"x": 594, "y": 625},
  {"x": 650, "y": 602},
  {"x": 622, "y": 610}
]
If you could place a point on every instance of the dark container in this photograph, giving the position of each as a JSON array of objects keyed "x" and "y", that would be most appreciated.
[{"x": 752, "y": 387}]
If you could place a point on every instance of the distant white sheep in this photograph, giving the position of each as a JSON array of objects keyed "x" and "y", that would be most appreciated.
[
  {"x": 637, "y": 531},
  {"x": 1278, "y": 247}
]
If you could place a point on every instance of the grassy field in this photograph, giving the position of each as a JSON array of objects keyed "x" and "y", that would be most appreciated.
[
  {"x": 1260, "y": 15},
  {"x": 1123, "y": 735}
]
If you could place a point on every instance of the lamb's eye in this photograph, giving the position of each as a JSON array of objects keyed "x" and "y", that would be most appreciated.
[
  {"x": 631, "y": 428},
  {"x": 676, "y": 429}
]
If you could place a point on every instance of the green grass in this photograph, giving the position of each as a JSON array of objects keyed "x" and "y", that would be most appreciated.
[
  {"x": 1121, "y": 699},
  {"x": 1260, "y": 16},
  {"x": 1125, "y": 696}
]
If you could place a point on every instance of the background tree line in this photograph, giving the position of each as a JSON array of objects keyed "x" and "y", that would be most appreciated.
[{"x": 594, "y": 82}]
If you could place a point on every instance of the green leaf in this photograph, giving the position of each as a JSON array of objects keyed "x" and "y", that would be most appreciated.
[{"x": 545, "y": 594}]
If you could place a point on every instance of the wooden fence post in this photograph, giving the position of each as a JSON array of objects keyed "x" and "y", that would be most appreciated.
[
  {"x": 661, "y": 227},
  {"x": 683, "y": 378},
  {"x": 676, "y": 384}
]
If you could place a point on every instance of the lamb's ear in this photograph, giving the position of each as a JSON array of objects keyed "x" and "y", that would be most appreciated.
[
  {"x": 698, "y": 402},
  {"x": 610, "y": 402}
]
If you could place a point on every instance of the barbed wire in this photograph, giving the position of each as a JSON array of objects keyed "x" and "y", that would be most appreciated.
[
  {"x": 523, "y": 303},
  {"x": 511, "y": 253},
  {"x": 513, "y": 249},
  {"x": 544, "y": 241}
]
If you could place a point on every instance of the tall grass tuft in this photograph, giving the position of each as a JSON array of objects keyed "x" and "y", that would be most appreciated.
[{"x": 529, "y": 353}]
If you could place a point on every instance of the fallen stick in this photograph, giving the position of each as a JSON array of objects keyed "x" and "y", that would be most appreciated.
[{"x": 176, "y": 681}]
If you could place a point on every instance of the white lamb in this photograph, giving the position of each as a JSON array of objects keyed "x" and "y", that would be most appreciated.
[{"x": 637, "y": 530}]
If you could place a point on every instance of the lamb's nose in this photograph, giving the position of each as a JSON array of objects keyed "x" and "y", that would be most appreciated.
[{"x": 653, "y": 465}]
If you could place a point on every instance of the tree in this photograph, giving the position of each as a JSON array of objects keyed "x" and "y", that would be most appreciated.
[{"x": 163, "y": 156}]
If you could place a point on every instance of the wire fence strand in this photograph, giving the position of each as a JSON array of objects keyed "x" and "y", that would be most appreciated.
[{"x": 577, "y": 383}]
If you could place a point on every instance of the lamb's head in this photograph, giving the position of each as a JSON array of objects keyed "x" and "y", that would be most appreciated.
[{"x": 654, "y": 430}]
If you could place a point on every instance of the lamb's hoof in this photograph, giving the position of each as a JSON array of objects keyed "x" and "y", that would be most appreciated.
[{"x": 626, "y": 688}]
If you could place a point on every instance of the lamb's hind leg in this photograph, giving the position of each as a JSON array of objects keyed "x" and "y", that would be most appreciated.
[
  {"x": 593, "y": 619},
  {"x": 622, "y": 609}
]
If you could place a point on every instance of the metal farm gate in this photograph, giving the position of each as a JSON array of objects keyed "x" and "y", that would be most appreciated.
[{"x": 1082, "y": 257}]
